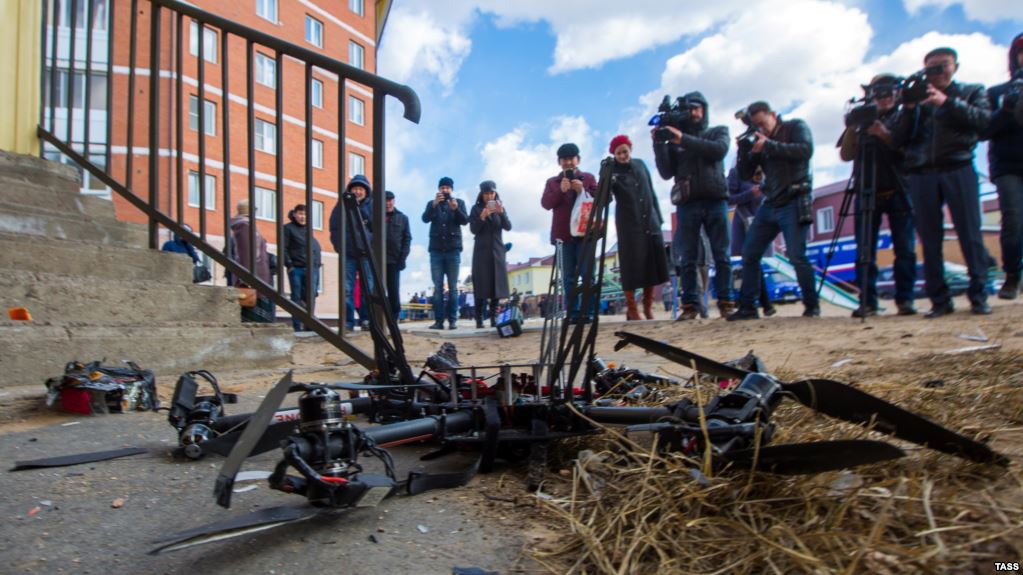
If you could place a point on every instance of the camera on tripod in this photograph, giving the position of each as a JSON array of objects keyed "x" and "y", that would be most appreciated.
[
  {"x": 914, "y": 87},
  {"x": 668, "y": 114}
]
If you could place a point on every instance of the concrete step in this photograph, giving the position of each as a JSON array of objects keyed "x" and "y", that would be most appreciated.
[
  {"x": 22, "y": 168},
  {"x": 34, "y": 352},
  {"x": 31, "y": 221},
  {"x": 91, "y": 259},
  {"x": 72, "y": 202},
  {"x": 59, "y": 299}
]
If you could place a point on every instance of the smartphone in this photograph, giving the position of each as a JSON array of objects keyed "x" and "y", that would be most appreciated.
[{"x": 492, "y": 205}]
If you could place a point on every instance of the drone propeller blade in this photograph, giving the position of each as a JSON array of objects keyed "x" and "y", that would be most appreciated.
[
  {"x": 815, "y": 457},
  {"x": 250, "y": 438},
  {"x": 260, "y": 520},
  {"x": 680, "y": 356},
  {"x": 271, "y": 439},
  {"x": 847, "y": 403},
  {"x": 78, "y": 458}
]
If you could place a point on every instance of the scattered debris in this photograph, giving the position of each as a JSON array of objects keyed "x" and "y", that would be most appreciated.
[
  {"x": 46, "y": 502},
  {"x": 932, "y": 383},
  {"x": 18, "y": 314},
  {"x": 246, "y": 488},
  {"x": 373, "y": 538},
  {"x": 978, "y": 337},
  {"x": 972, "y": 349},
  {"x": 34, "y": 510},
  {"x": 841, "y": 362},
  {"x": 423, "y": 528},
  {"x": 70, "y": 423},
  {"x": 252, "y": 476},
  {"x": 117, "y": 503}
]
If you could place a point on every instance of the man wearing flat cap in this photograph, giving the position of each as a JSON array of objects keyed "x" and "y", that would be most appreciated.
[
  {"x": 559, "y": 196},
  {"x": 399, "y": 243},
  {"x": 446, "y": 216}
]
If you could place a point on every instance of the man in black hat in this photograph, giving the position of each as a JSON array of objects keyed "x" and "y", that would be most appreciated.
[
  {"x": 446, "y": 216},
  {"x": 559, "y": 196},
  {"x": 399, "y": 243}
]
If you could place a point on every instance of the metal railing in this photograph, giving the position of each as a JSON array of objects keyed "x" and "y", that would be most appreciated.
[{"x": 152, "y": 118}]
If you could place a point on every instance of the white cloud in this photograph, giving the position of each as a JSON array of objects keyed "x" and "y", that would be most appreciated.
[
  {"x": 983, "y": 10},
  {"x": 421, "y": 48}
]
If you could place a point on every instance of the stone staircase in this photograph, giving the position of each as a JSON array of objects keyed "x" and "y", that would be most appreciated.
[{"x": 96, "y": 291}]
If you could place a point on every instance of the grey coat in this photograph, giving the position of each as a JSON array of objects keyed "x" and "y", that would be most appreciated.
[{"x": 489, "y": 267}]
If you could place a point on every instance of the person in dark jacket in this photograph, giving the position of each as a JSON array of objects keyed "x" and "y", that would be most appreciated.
[
  {"x": 1005, "y": 162},
  {"x": 782, "y": 150},
  {"x": 446, "y": 216},
  {"x": 939, "y": 136},
  {"x": 694, "y": 157},
  {"x": 642, "y": 259},
  {"x": 488, "y": 221},
  {"x": 746, "y": 197},
  {"x": 399, "y": 243},
  {"x": 296, "y": 262},
  {"x": 891, "y": 197},
  {"x": 559, "y": 195},
  {"x": 180, "y": 246},
  {"x": 252, "y": 256},
  {"x": 354, "y": 247}
]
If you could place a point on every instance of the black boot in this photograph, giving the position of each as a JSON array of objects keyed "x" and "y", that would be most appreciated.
[{"x": 1010, "y": 289}]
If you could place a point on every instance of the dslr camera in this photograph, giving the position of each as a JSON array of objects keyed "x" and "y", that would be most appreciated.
[
  {"x": 571, "y": 174},
  {"x": 671, "y": 114},
  {"x": 914, "y": 87}
]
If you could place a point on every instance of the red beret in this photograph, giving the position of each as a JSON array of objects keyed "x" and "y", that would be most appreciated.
[{"x": 618, "y": 141}]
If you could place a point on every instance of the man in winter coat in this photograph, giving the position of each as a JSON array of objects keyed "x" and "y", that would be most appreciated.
[
  {"x": 446, "y": 216},
  {"x": 354, "y": 247},
  {"x": 300, "y": 273},
  {"x": 399, "y": 243}
]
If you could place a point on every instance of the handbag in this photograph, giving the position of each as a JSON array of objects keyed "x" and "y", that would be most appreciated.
[
  {"x": 200, "y": 274},
  {"x": 247, "y": 297},
  {"x": 580, "y": 214},
  {"x": 680, "y": 192}
]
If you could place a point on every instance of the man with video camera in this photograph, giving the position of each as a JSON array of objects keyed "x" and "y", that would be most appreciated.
[
  {"x": 1005, "y": 161},
  {"x": 692, "y": 153},
  {"x": 881, "y": 188},
  {"x": 782, "y": 149},
  {"x": 938, "y": 131}
]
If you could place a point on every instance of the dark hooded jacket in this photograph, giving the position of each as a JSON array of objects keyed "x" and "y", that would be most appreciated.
[
  {"x": 180, "y": 246},
  {"x": 445, "y": 226},
  {"x": 700, "y": 158},
  {"x": 365, "y": 212},
  {"x": 943, "y": 138},
  {"x": 785, "y": 160},
  {"x": 295, "y": 245},
  {"x": 1005, "y": 153}
]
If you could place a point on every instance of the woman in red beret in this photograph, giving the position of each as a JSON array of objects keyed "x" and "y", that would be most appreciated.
[{"x": 642, "y": 259}]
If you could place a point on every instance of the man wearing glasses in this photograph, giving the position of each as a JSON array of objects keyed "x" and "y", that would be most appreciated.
[
  {"x": 939, "y": 136},
  {"x": 890, "y": 197}
]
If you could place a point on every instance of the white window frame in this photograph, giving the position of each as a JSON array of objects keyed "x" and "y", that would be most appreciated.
[
  {"x": 316, "y": 215},
  {"x": 826, "y": 220},
  {"x": 354, "y": 160},
  {"x": 356, "y": 54},
  {"x": 316, "y": 93},
  {"x": 356, "y": 110},
  {"x": 210, "y": 47},
  {"x": 317, "y": 155},
  {"x": 266, "y": 204},
  {"x": 193, "y": 191},
  {"x": 357, "y": 6},
  {"x": 210, "y": 115},
  {"x": 313, "y": 31},
  {"x": 265, "y": 139},
  {"x": 266, "y": 70},
  {"x": 267, "y": 10}
]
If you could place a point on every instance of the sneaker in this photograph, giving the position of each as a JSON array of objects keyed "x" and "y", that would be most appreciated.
[
  {"x": 940, "y": 310},
  {"x": 437, "y": 325},
  {"x": 689, "y": 311},
  {"x": 980, "y": 308},
  {"x": 813, "y": 312},
  {"x": 743, "y": 314},
  {"x": 1010, "y": 289},
  {"x": 906, "y": 308},
  {"x": 863, "y": 311}
]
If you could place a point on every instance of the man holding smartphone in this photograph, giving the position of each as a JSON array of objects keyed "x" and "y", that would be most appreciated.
[{"x": 446, "y": 216}]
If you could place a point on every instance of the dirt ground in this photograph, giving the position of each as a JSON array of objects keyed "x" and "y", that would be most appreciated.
[{"x": 62, "y": 520}]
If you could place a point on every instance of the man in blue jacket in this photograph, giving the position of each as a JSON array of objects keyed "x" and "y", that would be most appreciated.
[
  {"x": 359, "y": 186},
  {"x": 446, "y": 216}
]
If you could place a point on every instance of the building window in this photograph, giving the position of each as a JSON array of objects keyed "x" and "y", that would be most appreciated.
[
  {"x": 193, "y": 191},
  {"x": 356, "y": 6},
  {"x": 356, "y": 164},
  {"x": 317, "y": 153},
  {"x": 317, "y": 215},
  {"x": 355, "y": 54},
  {"x": 209, "y": 44},
  {"x": 266, "y": 137},
  {"x": 209, "y": 117},
  {"x": 98, "y": 86},
  {"x": 266, "y": 204},
  {"x": 317, "y": 93},
  {"x": 356, "y": 111},
  {"x": 99, "y": 21},
  {"x": 313, "y": 31},
  {"x": 266, "y": 70},
  {"x": 825, "y": 220},
  {"x": 267, "y": 9}
]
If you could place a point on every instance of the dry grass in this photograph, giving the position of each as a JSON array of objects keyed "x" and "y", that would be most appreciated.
[{"x": 631, "y": 510}]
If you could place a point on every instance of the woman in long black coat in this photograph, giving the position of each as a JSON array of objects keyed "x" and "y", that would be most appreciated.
[
  {"x": 642, "y": 260},
  {"x": 487, "y": 221}
]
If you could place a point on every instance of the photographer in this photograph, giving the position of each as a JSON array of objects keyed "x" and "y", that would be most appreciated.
[
  {"x": 487, "y": 221},
  {"x": 938, "y": 135},
  {"x": 693, "y": 155},
  {"x": 782, "y": 149},
  {"x": 446, "y": 216},
  {"x": 1005, "y": 161},
  {"x": 890, "y": 197}
]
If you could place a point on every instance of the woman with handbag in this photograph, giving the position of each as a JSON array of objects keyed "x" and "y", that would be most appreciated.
[
  {"x": 642, "y": 257},
  {"x": 487, "y": 221}
]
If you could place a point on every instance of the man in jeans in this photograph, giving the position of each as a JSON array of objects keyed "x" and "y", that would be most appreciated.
[
  {"x": 783, "y": 149},
  {"x": 559, "y": 196},
  {"x": 299, "y": 272},
  {"x": 938, "y": 136},
  {"x": 446, "y": 216},
  {"x": 1005, "y": 159},
  {"x": 354, "y": 246},
  {"x": 694, "y": 156}
]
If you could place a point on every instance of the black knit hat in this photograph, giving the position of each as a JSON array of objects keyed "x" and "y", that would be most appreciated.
[
  {"x": 446, "y": 181},
  {"x": 569, "y": 150},
  {"x": 488, "y": 186}
]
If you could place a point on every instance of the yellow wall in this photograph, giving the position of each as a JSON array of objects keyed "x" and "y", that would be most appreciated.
[
  {"x": 20, "y": 29},
  {"x": 534, "y": 279}
]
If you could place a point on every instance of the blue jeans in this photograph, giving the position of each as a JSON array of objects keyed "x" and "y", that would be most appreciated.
[
  {"x": 297, "y": 280},
  {"x": 769, "y": 221},
  {"x": 445, "y": 264},
  {"x": 1010, "y": 202},
  {"x": 571, "y": 251},
  {"x": 712, "y": 215},
  {"x": 351, "y": 268},
  {"x": 900, "y": 223}
]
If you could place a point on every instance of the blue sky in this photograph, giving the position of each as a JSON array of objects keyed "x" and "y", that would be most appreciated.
[{"x": 503, "y": 83}]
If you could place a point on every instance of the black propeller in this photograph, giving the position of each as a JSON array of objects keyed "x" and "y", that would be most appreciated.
[{"x": 814, "y": 457}]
